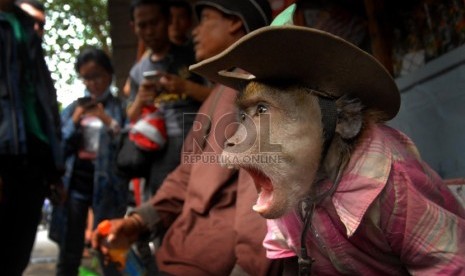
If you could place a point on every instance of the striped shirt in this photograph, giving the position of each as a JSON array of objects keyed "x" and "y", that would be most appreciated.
[{"x": 390, "y": 215}]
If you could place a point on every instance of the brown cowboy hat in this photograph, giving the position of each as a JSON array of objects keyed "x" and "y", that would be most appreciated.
[{"x": 316, "y": 59}]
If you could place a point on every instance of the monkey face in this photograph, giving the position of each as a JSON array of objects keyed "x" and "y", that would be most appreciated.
[{"x": 279, "y": 142}]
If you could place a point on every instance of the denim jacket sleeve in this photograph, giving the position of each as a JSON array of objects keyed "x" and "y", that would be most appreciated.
[{"x": 70, "y": 132}]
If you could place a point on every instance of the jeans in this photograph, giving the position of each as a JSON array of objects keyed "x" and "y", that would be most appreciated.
[{"x": 72, "y": 246}]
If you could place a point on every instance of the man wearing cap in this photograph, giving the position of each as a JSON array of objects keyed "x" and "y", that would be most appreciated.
[
  {"x": 37, "y": 10},
  {"x": 351, "y": 195},
  {"x": 204, "y": 208}
]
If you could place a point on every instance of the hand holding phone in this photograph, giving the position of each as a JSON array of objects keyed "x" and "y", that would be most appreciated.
[
  {"x": 87, "y": 102},
  {"x": 154, "y": 75}
]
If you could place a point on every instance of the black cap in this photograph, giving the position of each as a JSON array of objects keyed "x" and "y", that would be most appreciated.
[{"x": 253, "y": 13}]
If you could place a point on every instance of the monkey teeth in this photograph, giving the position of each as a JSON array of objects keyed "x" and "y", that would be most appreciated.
[
  {"x": 229, "y": 166},
  {"x": 264, "y": 188},
  {"x": 263, "y": 202}
]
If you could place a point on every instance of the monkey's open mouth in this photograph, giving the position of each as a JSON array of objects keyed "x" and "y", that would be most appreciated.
[{"x": 264, "y": 188}]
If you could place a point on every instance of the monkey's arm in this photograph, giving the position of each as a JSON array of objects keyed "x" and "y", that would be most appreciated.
[{"x": 424, "y": 224}]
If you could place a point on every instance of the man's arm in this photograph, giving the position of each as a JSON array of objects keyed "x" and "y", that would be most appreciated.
[
  {"x": 169, "y": 199},
  {"x": 167, "y": 203}
]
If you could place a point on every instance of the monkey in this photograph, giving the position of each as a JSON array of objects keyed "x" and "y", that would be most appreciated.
[
  {"x": 341, "y": 190},
  {"x": 289, "y": 119},
  {"x": 292, "y": 118}
]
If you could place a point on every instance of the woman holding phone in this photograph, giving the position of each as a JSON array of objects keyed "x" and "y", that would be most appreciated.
[{"x": 89, "y": 127}]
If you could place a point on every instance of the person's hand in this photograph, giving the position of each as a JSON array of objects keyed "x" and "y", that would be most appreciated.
[
  {"x": 122, "y": 234},
  {"x": 77, "y": 114},
  {"x": 147, "y": 92},
  {"x": 173, "y": 84},
  {"x": 99, "y": 112}
]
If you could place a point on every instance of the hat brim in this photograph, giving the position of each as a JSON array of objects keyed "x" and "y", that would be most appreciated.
[{"x": 306, "y": 56}]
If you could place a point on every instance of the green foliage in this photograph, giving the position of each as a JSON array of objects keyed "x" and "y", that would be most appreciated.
[{"x": 72, "y": 24}]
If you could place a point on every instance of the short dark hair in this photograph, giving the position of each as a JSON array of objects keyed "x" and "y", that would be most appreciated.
[
  {"x": 91, "y": 53},
  {"x": 34, "y": 3},
  {"x": 182, "y": 4},
  {"x": 163, "y": 4},
  {"x": 254, "y": 14}
]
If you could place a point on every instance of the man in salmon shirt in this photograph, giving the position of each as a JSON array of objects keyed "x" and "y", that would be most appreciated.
[{"x": 204, "y": 208}]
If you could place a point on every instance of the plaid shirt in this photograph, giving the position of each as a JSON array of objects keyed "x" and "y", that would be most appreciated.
[{"x": 390, "y": 215}]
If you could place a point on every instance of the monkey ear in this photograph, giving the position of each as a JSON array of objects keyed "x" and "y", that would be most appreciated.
[{"x": 349, "y": 118}]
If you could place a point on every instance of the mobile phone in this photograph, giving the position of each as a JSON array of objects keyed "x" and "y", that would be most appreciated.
[
  {"x": 87, "y": 102},
  {"x": 154, "y": 75}
]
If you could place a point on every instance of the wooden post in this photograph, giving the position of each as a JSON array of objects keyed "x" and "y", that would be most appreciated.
[
  {"x": 380, "y": 33},
  {"x": 123, "y": 40}
]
